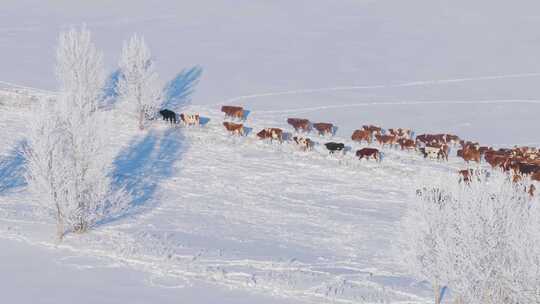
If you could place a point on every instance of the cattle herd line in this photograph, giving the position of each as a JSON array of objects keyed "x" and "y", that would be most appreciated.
[{"x": 519, "y": 162}]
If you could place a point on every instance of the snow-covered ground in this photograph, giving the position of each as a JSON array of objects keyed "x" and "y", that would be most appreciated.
[{"x": 236, "y": 220}]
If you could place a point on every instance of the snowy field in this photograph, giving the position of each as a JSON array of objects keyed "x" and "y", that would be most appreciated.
[{"x": 220, "y": 219}]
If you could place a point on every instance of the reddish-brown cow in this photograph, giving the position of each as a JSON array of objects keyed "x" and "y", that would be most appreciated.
[
  {"x": 324, "y": 128},
  {"x": 299, "y": 124},
  {"x": 233, "y": 112},
  {"x": 386, "y": 140},
  {"x": 237, "y": 129},
  {"x": 368, "y": 153},
  {"x": 372, "y": 129},
  {"x": 408, "y": 144},
  {"x": 469, "y": 154},
  {"x": 360, "y": 135}
]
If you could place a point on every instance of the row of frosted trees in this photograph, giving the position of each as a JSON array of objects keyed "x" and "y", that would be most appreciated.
[
  {"x": 68, "y": 167},
  {"x": 480, "y": 240}
]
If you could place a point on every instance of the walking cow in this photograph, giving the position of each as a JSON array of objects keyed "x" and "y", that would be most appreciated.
[{"x": 168, "y": 115}]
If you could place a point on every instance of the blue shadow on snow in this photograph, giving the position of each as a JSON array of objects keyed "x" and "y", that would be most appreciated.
[
  {"x": 12, "y": 169},
  {"x": 177, "y": 93},
  {"x": 145, "y": 163}
]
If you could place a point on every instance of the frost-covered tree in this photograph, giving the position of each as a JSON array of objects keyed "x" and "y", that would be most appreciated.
[
  {"x": 481, "y": 239},
  {"x": 68, "y": 167},
  {"x": 139, "y": 88}
]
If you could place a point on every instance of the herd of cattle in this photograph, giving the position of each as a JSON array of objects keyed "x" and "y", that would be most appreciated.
[{"x": 520, "y": 162}]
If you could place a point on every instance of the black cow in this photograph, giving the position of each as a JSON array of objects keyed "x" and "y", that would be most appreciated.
[
  {"x": 168, "y": 115},
  {"x": 333, "y": 146}
]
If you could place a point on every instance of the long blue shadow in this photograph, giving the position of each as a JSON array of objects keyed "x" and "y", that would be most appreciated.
[
  {"x": 145, "y": 163},
  {"x": 12, "y": 169},
  {"x": 110, "y": 91},
  {"x": 177, "y": 93}
]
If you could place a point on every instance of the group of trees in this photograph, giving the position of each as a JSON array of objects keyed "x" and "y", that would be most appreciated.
[
  {"x": 481, "y": 240},
  {"x": 67, "y": 165}
]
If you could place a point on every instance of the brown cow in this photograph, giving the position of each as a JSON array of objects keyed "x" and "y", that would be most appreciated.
[
  {"x": 535, "y": 176},
  {"x": 431, "y": 139},
  {"x": 401, "y": 133},
  {"x": 299, "y": 124},
  {"x": 369, "y": 152},
  {"x": 386, "y": 140},
  {"x": 233, "y": 112},
  {"x": 271, "y": 133},
  {"x": 405, "y": 143},
  {"x": 359, "y": 135},
  {"x": 305, "y": 143},
  {"x": 469, "y": 144},
  {"x": 372, "y": 129},
  {"x": 469, "y": 154},
  {"x": 324, "y": 128},
  {"x": 495, "y": 158},
  {"x": 237, "y": 129}
]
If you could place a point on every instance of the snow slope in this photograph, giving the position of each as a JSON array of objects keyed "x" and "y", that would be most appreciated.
[{"x": 265, "y": 219}]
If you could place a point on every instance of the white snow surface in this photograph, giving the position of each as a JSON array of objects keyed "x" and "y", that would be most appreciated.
[{"x": 235, "y": 220}]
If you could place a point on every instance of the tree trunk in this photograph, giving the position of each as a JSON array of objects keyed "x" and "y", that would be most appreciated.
[
  {"x": 437, "y": 291},
  {"x": 141, "y": 120},
  {"x": 59, "y": 224}
]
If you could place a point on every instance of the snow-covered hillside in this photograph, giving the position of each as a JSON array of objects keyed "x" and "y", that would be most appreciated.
[{"x": 249, "y": 221}]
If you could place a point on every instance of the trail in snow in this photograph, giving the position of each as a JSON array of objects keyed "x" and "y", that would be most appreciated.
[
  {"x": 404, "y": 102},
  {"x": 380, "y": 86}
]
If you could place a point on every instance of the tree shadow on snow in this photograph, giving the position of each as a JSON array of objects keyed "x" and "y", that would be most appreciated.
[
  {"x": 12, "y": 169},
  {"x": 144, "y": 164},
  {"x": 110, "y": 93},
  {"x": 177, "y": 93}
]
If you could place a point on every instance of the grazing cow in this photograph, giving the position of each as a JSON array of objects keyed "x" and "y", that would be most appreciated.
[
  {"x": 168, "y": 115},
  {"x": 359, "y": 135},
  {"x": 386, "y": 139},
  {"x": 271, "y": 133},
  {"x": 333, "y": 147},
  {"x": 233, "y": 112},
  {"x": 190, "y": 119},
  {"x": 368, "y": 153},
  {"x": 237, "y": 129},
  {"x": 323, "y": 128},
  {"x": 531, "y": 191},
  {"x": 469, "y": 154},
  {"x": 304, "y": 142},
  {"x": 401, "y": 133},
  {"x": 405, "y": 143},
  {"x": 299, "y": 124}
]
